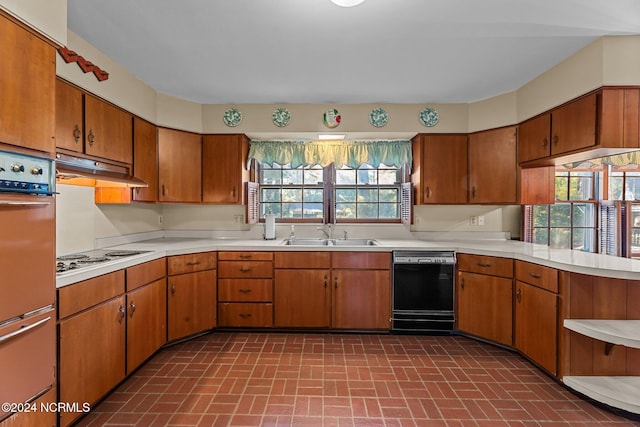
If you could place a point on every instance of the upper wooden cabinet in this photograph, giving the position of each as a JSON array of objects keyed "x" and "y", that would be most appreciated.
[
  {"x": 27, "y": 89},
  {"x": 145, "y": 160},
  {"x": 179, "y": 166},
  {"x": 107, "y": 132},
  {"x": 440, "y": 169},
  {"x": 224, "y": 158},
  {"x": 620, "y": 118},
  {"x": 493, "y": 171}
]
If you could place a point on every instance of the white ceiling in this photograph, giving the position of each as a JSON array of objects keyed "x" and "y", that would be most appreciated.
[{"x": 312, "y": 51}]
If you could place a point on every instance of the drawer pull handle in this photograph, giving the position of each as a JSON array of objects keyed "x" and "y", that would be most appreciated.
[
  {"x": 244, "y": 291},
  {"x": 123, "y": 313},
  {"x": 487, "y": 265},
  {"x": 245, "y": 270},
  {"x": 192, "y": 263},
  {"x": 462, "y": 283},
  {"x": 23, "y": 330},
  {"x": 555, "y": 140},
  {"x": 132, "y": 309},
  {"x": 535, "y": 275},
  {"x": 245, "y": 315},
  {"x": 545, "y": 142},
  {"x": 173, "y": 289},
  {"x": 325, "y": 281},
  {"x": 519, "y": 295},
  {"x": 245, "y": 256},
  {"x": 76, "y": 133},
  {"x": 91, "y": 138}
]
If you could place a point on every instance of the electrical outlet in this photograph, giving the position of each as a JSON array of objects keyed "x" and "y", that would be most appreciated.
[
  {"x": 481, "y": 220},
  {"x": 238, "y": 218},
  {"x": 160, "y": 219},
  {"x": 473, "y": 220}
]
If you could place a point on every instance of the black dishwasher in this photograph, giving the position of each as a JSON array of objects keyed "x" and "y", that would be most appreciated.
[{"x": 423, "y": 292}]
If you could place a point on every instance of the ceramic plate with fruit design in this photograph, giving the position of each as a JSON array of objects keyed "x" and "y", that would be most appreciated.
[{"x": 331, "y": 118}]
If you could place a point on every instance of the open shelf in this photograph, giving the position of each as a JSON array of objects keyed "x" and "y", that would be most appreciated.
[
  {"x": 622, "y": 392},
  {"x": 621, "y": 332}
]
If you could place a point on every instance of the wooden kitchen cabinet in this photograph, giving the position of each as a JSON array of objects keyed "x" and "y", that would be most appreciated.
[
  {"x": 361, "y": 290},
  {"x": 191, "y": 300},
  {"x": 484, "y": 297},
  {"x": 91, "y": 339},
  {"x": 145, "y": 160},
  {"x": 69, "y": 117},
  {"x": 302, "y": 289},
  {"x": 179, "y": 166},
  {"x": 146, "y": 286},
  {"x": 109, "y": 131},
  {"x": 493, "y": 173},
  {"x": 224, "y": 159},
  {"x": 536, "y": 314},
  {"x": 39, "y": 418},
  {"x": 440, "y": 168},
  {"x": 619, "y": 118},
  {"x": 245, "y": 297},
  {"x": 27, "y": 89}
]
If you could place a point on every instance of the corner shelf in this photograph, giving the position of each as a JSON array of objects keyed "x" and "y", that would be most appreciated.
[{"x": 622, "y": 392}]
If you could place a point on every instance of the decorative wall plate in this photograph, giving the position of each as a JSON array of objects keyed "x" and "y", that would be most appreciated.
[
  {"x": 232, "y": 117},
  {"x": 429, "y": 117},
  {"x": 378, "y": 117},
  {"x": 281, "y": 117},
  {"x": 331, "y": 118}
]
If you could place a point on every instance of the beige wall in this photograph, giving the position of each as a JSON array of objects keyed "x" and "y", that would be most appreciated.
[{"x": 48, "y": 17}]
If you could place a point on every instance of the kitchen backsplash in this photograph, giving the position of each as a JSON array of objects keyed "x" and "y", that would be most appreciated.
[{"x": 79, "y": 221}]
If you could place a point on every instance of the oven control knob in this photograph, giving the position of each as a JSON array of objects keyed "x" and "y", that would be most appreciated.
[
  {"x": 36, "y": 170},
  {"x": 17, "y": 167}
]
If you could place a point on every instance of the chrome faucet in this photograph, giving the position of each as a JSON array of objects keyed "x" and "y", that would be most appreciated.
[{"x": 328, "y": 234}]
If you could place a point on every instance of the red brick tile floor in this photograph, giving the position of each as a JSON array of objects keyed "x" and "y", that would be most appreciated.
[{"x": 305, "y": 379}]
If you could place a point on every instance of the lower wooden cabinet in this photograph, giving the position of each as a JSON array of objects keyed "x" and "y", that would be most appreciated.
[
  {"x": 302, "y": 298},
  {"x": 536, "y": 325},
  {"x": 191, "y": 304},
  {"x": 91, "y": 354},
  {"x": 146, "y": 322},
  {"x": 245, "y": 315},
  {"x": 485, "y": 306},
  {"x": 484, "y": 297},
  {"x": 362, "y": 299},
  {"x": 40, "y": 417}
]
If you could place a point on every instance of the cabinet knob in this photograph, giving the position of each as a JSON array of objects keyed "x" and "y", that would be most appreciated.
[
  {"x": 123, "y": 313},
  {"x": 91, "y": 138},
  {"x": 173, "y": 288},
  {"x": 545, "y": 142},
  {"x": 132, "y": 309},
  {"x": 519, "y": 295},
  {"x": 462, "y": 283},
  {"x": 233, "y": 191},
  {"x": 473, "y": 192},
  {"x": 76, "y": 133},
  {"x": 555, "y": 139},
  {"x": 335, "y": 282},
  {"x": 325, "y": 281},
  {"x": 428, "y": 192}
]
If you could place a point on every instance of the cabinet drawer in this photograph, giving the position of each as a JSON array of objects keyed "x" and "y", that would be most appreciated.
[
  {"x": 368, "y": 260},
  {"x": 145, "y": 273},
  {"x": 85, "y": 294},
  {"x": 180, "y": 264},
  {"x": 302, "y": 260},
  {"x": 493, "y": 266},
  {"x": 537, "y": 275},
  {"x": 245, "y": 290},
  {"x": 245, "y": 269},
  {"x": 245, "y": 314},
  {"x": 245, "y": 256}
]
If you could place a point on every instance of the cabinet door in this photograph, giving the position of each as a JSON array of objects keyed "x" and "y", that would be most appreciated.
[
  {"x": 109, "y": 131},
  {"x": 534, "y": 138},
  {"x": 444, "y": 170},
  {"x": 145, "y": 160},
  {"x": 191, "y": 305},
  {"x": 361, "y": 299},
  {"x": 179, "y": 166},
  {"x": 536, "y": 325},
  {"x": 146, "y": 322},
  {"x": 27, "y": 89},
  {"x": 302, "y": 298},
  {"x": 492, "y": 166},
  {"x": 69, "y": 115},
  {"x": 92, "y": 354},
  {"x": 485, "y": 306},
  {"x": 224, "y": 158},
  {"x": 573, "y": 126}
]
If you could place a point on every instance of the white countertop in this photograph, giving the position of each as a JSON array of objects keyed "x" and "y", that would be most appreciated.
[{"x": 562, "y": 259}]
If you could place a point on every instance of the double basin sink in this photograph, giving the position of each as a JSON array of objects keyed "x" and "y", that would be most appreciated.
[{"x": 330, "y": 242}]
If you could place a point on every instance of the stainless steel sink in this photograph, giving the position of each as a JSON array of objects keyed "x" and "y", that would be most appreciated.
[
  {"x": 307, "y": 242},
  {"x": 330, "y": 242},
  {"x": 355, "y": 242}
]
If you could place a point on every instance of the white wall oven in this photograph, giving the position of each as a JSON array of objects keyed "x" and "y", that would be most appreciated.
[{"x": 27, "y": 276}]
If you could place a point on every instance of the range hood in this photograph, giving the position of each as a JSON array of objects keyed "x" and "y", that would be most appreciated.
[{"x": 70, "y": 167}]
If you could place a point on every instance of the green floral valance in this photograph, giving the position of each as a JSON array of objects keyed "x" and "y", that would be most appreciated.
[{"x": 323, "y": 153}]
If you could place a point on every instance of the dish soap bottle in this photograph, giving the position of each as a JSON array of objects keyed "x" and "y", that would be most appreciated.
[{"x": 292, "y": 233}]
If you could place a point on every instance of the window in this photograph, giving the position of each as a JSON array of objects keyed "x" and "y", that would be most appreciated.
[
  {"x": 624, "y": 183},
  {"x": 571, "y": 222},
  {"x": 317, "y": 194}
]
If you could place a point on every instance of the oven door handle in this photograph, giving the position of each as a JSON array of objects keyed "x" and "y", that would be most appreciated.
[
  {"x": 24, "y": 203},
  {"x": 23, "y": 330}
]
